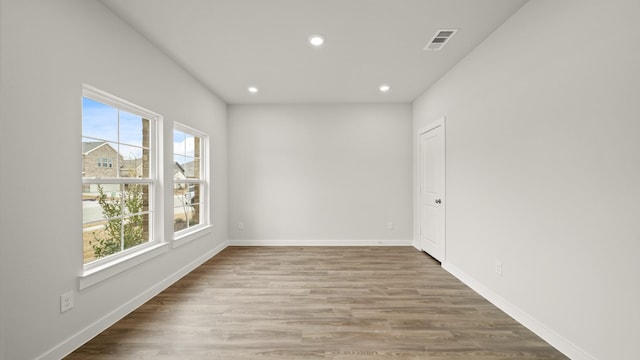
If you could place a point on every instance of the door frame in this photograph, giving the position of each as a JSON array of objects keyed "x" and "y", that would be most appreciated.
[{"x": 440, "y": 122}]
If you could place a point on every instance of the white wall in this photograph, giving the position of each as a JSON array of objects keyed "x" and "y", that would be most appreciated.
[
  {"x": 320, "y": 174},
  {"x": 543, "y": 171},
  {"x": 48, "y": 50}
]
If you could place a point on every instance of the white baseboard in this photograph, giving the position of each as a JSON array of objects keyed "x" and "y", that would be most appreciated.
[
  {"x": 547, "y": 334},
  {"x": 86, "y": 334},
  {"x": 566, "y": 347},
  {"x": 320, "y": 242}
]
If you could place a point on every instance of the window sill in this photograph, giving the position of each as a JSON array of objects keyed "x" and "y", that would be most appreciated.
[
  {"x": 189, "y": 236},
  {"x": 103, "y": 272}
]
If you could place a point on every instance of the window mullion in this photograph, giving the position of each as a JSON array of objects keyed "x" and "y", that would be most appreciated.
[
  {"x": 119, "y": 181},
  {"x": 118, "y": 146},
  {"x": 122, "y": 217},
  {"x": 189, "y": 181}
]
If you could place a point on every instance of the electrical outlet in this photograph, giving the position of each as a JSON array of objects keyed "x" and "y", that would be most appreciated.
[
  {"x": 240, "y": 225},
  {"x": 499, "y": 268},
  {"x": 390, "y": 225},
  {"x": 66, "y": 301}
]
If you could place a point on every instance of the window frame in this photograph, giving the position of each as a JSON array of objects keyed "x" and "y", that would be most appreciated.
[
  {"x": 102, "y": 268},
  {"x": 185, "y": 235}
]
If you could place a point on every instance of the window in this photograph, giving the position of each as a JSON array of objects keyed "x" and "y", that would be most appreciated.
[
  {"x": 104, "y": 162},
  {"x": 189, "y": 180},
  {"x": 119, "y": 177}
]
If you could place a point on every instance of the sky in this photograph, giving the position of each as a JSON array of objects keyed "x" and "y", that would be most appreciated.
[
  {"x": 123, "y": 131},
  {"x": 102, "y": 122}
]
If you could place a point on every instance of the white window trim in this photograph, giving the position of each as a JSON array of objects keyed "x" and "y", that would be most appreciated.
[
  {"x": 102, "y": 269},
  {"x": 187, "y": 235},
  {"x": 123, "y": 262}
]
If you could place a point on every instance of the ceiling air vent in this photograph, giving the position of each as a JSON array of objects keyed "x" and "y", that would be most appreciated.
[{"x": 441, "y": 37}]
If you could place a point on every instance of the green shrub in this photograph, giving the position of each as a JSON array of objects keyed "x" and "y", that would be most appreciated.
[{"x": 120, "y": 232}]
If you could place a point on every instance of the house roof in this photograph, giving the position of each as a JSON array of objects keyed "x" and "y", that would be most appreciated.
[
  {"x": 88, "y": 147},
  {"x": 177, "y": 168},
  {"x": 131, "y": 164},
  {"x": 188, "y": 167}
]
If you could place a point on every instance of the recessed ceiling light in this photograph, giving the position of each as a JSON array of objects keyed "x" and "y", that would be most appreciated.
[
  {"x": 253, "y": 89},
  {"x": 316, "y": 40},
  {"x": 385, "y": 88}
]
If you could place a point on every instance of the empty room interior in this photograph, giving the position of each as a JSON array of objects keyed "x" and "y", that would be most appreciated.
[{"x": 284, "y": 179}]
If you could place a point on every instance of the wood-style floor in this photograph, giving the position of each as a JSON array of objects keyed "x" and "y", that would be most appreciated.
[{"x": 318, "y": 303}]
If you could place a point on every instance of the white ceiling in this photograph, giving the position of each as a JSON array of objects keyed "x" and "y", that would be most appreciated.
[{"x": 232, "y": 44}]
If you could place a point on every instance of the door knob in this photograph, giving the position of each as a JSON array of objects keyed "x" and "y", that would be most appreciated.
[{"x": 438, "y": 201}]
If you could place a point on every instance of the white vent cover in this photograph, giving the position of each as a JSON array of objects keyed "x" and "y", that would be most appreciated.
[{"x": 441, "y": 37}]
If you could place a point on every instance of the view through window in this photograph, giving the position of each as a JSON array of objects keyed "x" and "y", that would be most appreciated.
[
  {"x": 189, "y": 186},
  {"x": 118, "y": 176}
]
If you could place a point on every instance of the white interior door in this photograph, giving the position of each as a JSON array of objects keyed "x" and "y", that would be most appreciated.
[{"x": 431, "y": 168}]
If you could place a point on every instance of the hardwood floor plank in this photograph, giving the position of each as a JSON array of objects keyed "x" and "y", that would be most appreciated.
[{"x": 339, "y": 303}]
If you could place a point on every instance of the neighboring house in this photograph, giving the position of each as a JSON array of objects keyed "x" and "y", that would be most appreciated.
[
  {"x": 178, "y": 172},
  {"x": 131, "y": 168},
  {"x": 190, "y": 170},
  {"x": 99, "y": 160},
  {"x": 181, "y": 172}
]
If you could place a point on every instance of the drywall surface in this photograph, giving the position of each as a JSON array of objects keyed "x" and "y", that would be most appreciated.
[
  {"x": 542, "y": 169},
  {"x": 49, "y": 50},
  {"x": 320, "y": 174}
]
